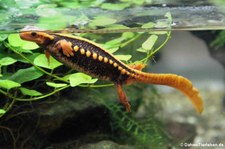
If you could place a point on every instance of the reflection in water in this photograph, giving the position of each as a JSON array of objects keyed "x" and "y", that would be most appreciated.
[{"x": 185, "y": 17}]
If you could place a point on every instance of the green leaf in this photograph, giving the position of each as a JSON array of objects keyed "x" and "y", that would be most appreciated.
[
  {"x": 116, "y": 41},
  {"x": 148, "y": 25},
  {"x": 102, "y": 21},
  {"x": 112, "y": 50},
  {"x": 54, "y": 21},
  {"x": 80, "y": 78},
  {"x": 23, "y": 50},
  {"x": 169, "y": 17},
  {"x": 7, "y": 61},
  {"x": 142, "y": 50},
  {"x": 164, "y": 23},
  {"x": 123, "y": 57},
  {"x": 25, "y": 75},
  {"x": 2, "y": 111},
  {"x": 56, "y": 85},
  {"x": 117, "y": 26},
  {"x": 29, "y": 92},
  {"x": 149, "y": 43},
  {"x": 42, "y": 61},
  {"x": 16, "y": 41},
  {"x": 67, "y": 77},
  {"x": 29, "y": 46},
  {"x": 3, "y": 37},
  {"x": 8, "y": 84},
  {"x": 158, "y": 32},
  {"x": 219, "y": 41},
  {"x": 140, "y": 2},
  {"x": 128, "y": 35},
  {"x": 111, "y": 6}
]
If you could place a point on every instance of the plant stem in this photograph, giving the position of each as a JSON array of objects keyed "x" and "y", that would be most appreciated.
[
  {"x": 38, "y": 68},
  {"x": 156, "y": 50},
  {"x": 34, "y": 98},
  {"x": 131, "y": 40}
]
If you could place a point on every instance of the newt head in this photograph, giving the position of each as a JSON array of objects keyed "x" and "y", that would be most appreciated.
[{"x": 38, "y": 37}]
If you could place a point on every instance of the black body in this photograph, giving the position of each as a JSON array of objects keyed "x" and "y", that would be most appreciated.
[{"x": 81, "y": 62}]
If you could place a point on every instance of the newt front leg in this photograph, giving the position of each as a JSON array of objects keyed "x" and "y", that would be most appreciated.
[
  {"x": 65, "y": 46},
  {"x": 47, "y": 55}
]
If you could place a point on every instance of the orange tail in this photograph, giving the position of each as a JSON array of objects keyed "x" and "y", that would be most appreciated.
[{"x": 175, "y": 81}]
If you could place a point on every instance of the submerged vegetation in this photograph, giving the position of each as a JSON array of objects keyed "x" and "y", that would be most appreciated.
[
  {"x": 219, "y": 41},
  {"x": 23, "y": 52},
  {"x": 26, "y": 75}
]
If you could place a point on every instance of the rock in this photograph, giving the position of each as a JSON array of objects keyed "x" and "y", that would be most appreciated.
[{"x": 181, "y": 131}]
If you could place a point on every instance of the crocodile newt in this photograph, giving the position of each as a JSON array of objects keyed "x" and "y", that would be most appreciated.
[{"x": 86, "y": 56}]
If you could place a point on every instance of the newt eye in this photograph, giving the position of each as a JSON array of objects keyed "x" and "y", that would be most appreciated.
[{"x": 33, "y": 34}]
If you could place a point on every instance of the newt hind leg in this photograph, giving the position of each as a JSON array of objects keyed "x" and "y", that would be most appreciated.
[
  {"x": 123, "y": 97},
  {"x": 137, "y": 66}
]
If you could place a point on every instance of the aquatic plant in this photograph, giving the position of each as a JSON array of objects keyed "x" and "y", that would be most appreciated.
[
  {"x": 219, "y": 41},
  {"x": 32, "y": 65},
  {"x": 26, "y": 75},
  {"x": 146, "y": 131}
]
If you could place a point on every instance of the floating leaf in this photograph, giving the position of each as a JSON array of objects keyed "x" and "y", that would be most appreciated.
[
  {"x": 80, "y": 78},
  {"x": 54, "y": 21},
  {"x": 56, "y": 85},
  {"x": 140, "y": 2},
  {"x": 169, "y": 16},
  {"x": 42, "y": 61},
  {"x": 7, "y": 61},
  {"x": 25, "y": 75},
  {"x": 8, "y": 84},
  {"x": 29, "y": 92},
  {"x": 148, "y": 25},
  {"x": 163, "y": 23},
  {"x": 117, "y": 26},
  {"x": 111, "y": 6},
  {"x": 102, "y": 21},
  {"x": 123, "y": 57},
  {"x": 47, "y": 11},
  {"x": 149, "y": 43}
]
